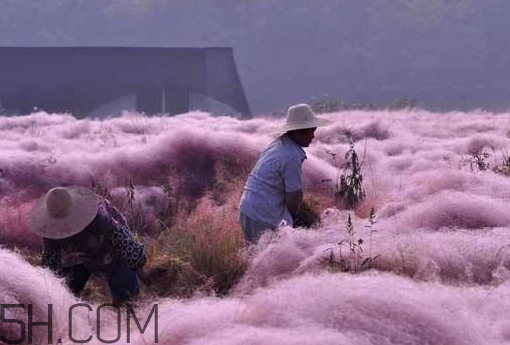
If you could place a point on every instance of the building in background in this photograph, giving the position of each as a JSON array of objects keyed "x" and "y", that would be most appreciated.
[{"x": 104, "y": 81}]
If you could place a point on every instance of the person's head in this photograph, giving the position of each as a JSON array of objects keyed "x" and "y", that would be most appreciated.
[
  {"x": 301, "y": 123},
  {"x": 63, "y": 212},
  {"x": 303, "y": 137}
]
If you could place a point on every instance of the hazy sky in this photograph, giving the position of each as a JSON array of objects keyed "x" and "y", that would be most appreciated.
[{"x": 448, "y": 54}]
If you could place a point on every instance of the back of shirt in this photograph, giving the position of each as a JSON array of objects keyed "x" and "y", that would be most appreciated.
[{"x": 277, "y": 171}]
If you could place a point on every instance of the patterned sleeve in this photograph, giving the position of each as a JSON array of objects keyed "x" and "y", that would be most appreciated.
[
  {"x": 123, "y": 240},
  {"x": 51, "y": 256},
  {"x": 127, "y": 246}
]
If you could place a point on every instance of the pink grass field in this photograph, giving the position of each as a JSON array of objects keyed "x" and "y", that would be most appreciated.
[{"x": 439, "y": 184}]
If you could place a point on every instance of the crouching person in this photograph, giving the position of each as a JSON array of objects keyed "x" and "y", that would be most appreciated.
[
  {"x": 273, "y": 192},
  {"x": 84, "y": 234}
]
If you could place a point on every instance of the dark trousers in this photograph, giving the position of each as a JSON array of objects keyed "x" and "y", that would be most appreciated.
[
  {"x": 252, "y": 230},
  {"x": 122, "y": 280}
]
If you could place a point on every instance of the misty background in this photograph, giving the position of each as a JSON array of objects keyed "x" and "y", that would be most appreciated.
[{"x": 446, "y": 54}]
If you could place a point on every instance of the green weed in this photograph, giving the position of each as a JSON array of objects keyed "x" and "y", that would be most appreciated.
[
  {"x": 348, "y": 186},
  {"x": 349, "y": 257}
]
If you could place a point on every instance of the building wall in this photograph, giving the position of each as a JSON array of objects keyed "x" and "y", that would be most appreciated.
[{"x": 81, "y": 79}]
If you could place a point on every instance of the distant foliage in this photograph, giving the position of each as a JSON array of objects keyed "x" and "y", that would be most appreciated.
[
  {"x": 332, "y": 103},
  {"x": 329, "y": 104},
  {"x": 403, "y": 103}
]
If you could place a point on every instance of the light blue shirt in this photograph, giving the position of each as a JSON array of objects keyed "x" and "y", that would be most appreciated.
[{"x": 277, "y": 171}]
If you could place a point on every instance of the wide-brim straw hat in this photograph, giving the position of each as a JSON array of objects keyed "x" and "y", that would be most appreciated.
[
  {"x": 301, "y": 116},
  {"x": 63, "y": 212}
]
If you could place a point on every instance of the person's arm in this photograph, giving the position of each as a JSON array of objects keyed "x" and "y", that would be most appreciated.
[
  {"x": 293, "y": 201},
  {"x": 128, "y": 247},
  {"x": 291, "y": 173},
  {"x": 131, "y": 250},
  {"x": 123, "y": 241}
]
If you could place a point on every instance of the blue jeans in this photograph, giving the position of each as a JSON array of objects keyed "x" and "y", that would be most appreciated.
[
  {"x": 122, "y": 280},
  {"x": 252, "y": 230}
]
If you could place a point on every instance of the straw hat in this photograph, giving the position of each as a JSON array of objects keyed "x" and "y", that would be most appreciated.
[
  {"x": 301, "y": 116},
  {"x": 63, "y": 212}
]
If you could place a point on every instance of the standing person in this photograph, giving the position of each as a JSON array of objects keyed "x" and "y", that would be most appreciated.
[
  {"x": 273, "y": 191},
  {"x": 84, "y": 234}
]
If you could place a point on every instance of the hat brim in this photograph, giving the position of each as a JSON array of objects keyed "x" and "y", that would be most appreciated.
[
  {"x": 317, "y": 122},
  {"x": 82, "y": 211}
]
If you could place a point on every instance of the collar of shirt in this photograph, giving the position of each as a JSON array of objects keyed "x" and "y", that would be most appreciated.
[{"x": 291, "y": 143}]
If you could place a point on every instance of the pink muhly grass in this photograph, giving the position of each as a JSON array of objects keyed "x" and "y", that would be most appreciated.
[
  {"x": 200, "y": 251},
  {"x": 13, "y": 224}
]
